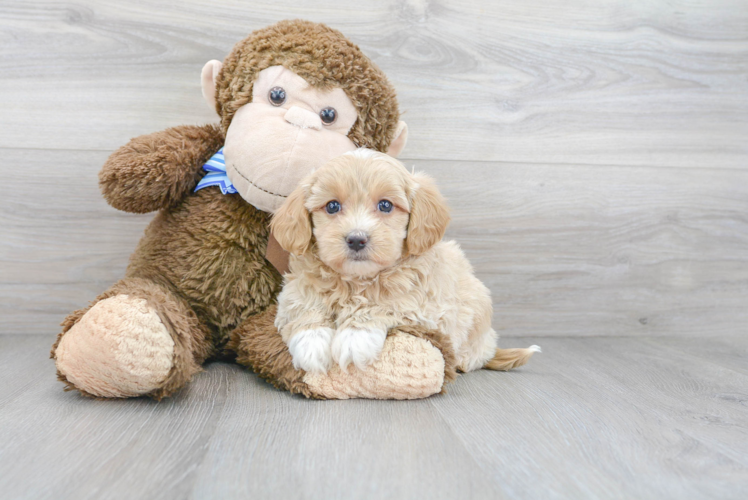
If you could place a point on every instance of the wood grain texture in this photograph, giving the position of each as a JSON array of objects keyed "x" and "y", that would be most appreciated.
[
  {"x": 609, "y": 82},
  {"x": 594, "y": 155},
  {"x": 587, "y": 418},
  {"x": 566, "y": 250},
  {"x": 609, "y": 418},
  {"x": 335, "y": 449}
]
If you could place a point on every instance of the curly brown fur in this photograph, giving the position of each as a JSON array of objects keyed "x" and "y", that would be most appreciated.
[
  {"x": 157, "y": 170},
  {"x": 258, "y": 346},
  {"x": 208, "y": 251},
  {"x": 202, "y": 257},
  {"x": 211, "y": 247},
  {"x": 298, "y": 45}
]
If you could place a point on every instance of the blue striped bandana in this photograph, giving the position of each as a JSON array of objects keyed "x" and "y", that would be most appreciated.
[{"x": 216, "y": 176}]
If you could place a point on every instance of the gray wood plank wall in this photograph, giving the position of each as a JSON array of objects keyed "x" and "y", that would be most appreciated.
[{"x": 595, "y": 153}]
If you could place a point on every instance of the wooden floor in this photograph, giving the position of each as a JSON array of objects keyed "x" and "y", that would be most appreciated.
[
  {"x": 604, "y": 417},
  {"x": 596, "y": 161}
]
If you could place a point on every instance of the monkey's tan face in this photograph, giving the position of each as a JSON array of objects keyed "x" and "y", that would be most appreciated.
[
  {"x": 288, "y": 131},
  {"x": 360, "y": 210}
]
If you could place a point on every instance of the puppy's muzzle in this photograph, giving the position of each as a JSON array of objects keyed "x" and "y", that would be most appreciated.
[{"x": 357, "y": 240}]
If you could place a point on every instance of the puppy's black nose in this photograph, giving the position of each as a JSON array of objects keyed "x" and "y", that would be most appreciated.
[{"x": 356, "y": 242}]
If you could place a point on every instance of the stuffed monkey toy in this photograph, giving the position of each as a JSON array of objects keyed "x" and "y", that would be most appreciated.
[{"x": 199, "y": 285}]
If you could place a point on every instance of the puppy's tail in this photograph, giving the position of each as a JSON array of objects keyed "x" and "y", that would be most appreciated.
[{"x": 506, "y": 359}]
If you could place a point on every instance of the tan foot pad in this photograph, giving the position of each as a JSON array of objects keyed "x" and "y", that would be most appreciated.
[
  {"x": 118, "y": 349},
  {"x": 408, "y": 368}
]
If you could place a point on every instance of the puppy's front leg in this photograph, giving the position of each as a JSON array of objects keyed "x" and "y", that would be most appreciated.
[
  {"x": 310, "y": 349},
  {"x": 308, "y": 337},
  {"x": 358, "y": 343}
]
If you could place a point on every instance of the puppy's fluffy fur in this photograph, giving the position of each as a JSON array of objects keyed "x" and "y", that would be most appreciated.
[{"x": 338, "y": 303}]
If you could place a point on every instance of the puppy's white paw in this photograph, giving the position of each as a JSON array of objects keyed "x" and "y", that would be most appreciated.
[
  {"x": 310, "y": 349},
  {"x": 357, "y": 346}
]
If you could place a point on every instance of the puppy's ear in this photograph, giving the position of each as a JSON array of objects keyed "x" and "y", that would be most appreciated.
[
  {"x": 429, "y": 216},
  {"x": 292, "y": 224}
]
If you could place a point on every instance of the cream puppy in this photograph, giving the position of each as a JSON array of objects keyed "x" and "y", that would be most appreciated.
[{"x": 367, "y": 255}]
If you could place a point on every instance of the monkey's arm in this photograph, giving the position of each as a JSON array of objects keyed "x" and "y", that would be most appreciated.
[{"x": 157, "y": 170}]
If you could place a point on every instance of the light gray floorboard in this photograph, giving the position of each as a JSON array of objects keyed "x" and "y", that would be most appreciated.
[
  {"x": 728, "y": 352},
  {"x": 335, "y": 449},
  {"x": 609, "y": 418},
  {"x": 604, "y": 417}
]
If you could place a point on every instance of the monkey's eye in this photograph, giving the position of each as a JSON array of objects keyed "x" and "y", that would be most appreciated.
[
  {"x": 332, "y": 207},
  {"x": 277, "y": 96},
  {"x": 328, "y": 115},
  {"x": 385, "y": 206}
]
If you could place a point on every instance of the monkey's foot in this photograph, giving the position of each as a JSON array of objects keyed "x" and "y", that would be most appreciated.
[
  {"x": 118, "y": 349},
  {"x": 408, "y": 367}
]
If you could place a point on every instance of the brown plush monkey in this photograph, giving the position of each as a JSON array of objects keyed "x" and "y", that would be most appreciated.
[{"x": 290, "y": 97}]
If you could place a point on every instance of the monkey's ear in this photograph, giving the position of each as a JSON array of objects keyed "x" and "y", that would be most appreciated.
[
  {"x": 292, "y": 224},
  {"x": 401, "y": 137},
  {"x": 429, "y": 216},
  {"x": 208, "y": 79}
]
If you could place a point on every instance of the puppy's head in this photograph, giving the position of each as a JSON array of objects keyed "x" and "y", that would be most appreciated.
[{"x": 365, "y": 211}]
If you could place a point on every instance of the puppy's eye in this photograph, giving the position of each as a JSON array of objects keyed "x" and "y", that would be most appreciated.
[
  {"x": 385, "y": 206},
  {"x": 332, "y": 207},
  {"x": 277, "y": 96},
  {"x": 328, "y": 115}
]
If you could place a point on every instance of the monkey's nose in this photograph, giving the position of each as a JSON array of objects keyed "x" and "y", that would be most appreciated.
[
  {"x": 356, "y": 241},
  {"x": 303, "y": 118}
]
